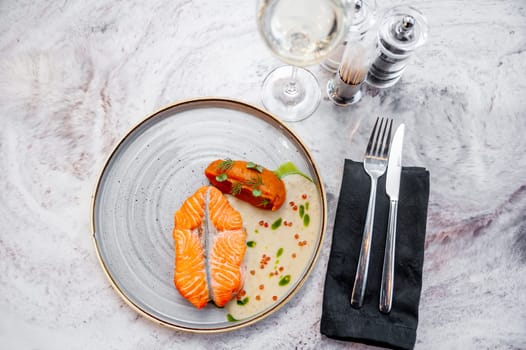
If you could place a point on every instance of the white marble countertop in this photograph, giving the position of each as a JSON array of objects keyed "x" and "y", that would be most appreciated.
[{"x": 75, "y": 76}]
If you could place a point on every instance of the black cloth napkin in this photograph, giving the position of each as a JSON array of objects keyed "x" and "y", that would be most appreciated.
[{"x": 368, "y": 325}]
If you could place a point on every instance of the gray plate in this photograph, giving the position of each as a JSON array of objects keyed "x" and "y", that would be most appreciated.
[{"x": 152, "y": 170}]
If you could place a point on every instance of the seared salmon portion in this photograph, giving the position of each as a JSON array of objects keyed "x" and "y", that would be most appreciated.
[
  {"x": 190, "y": 270},
  {"x": 247, "y": 181},
  {"x": 209, "y": 248},
  {"x": 225, "y": 265}
]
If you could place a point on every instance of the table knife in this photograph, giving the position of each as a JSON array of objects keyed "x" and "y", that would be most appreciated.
[{"x": 392, "y": 187}]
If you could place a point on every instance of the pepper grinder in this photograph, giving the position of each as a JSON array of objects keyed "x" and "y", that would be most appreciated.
[{"x": 402, "y": 30}]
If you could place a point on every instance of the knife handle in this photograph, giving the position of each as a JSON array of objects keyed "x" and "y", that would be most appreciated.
[{"x": 387, "y": 286}]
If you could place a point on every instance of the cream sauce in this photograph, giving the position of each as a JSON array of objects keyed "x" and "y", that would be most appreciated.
[{"x": 279, "y": 246}]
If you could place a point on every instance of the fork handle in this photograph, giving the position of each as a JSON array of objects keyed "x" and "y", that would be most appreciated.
[
  {"x": 387, "y": 286},
  {"x": 360, "y": 281}
]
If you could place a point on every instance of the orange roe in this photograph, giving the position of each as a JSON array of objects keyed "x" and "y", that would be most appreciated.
[
  {"x": 264, "y": 261},
  {"x": 252, "y": 272},
  {"x": 274, "y": 297},
  {"x": 293, "y": 255},
  {"x": 296, "y": 236},
  {"x": 261, "y": 286},
  {"x": 258, "y": 297}
]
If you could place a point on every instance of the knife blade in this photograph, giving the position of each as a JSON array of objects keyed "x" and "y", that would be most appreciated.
[
  {"x": 394, "y": 166},
  {"x": 392, "y": 188}
]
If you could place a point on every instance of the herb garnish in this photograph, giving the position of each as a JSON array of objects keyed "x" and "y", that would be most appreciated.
[
  {"x": 306, "y": 220},
  {"x": 221, "y": 177},
  {"x": 255, "y": 182},
  {"x": 243, "y": 301},
  {"x": 222, "y": 167},
  {"x": 236, "y": 188},
  {"x": 231, "y": 318},
  {"x": 289, "y": 168},
  {"x": 284, "y": 280},
  {"x": 225, "y": 165},
  {"x": 257, "y": 167},
  {"x": 264, "y": 202},
  {"x": 276, "y": 224}
]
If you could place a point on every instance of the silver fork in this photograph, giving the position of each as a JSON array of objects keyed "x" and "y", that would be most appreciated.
[{"x": 375, "y": 164}]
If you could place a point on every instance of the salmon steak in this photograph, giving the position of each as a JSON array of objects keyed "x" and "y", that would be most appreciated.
[{"x": 209, "y": 243}]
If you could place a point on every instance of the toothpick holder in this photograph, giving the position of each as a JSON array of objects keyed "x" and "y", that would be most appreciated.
[{"x": 341, "y": 93}]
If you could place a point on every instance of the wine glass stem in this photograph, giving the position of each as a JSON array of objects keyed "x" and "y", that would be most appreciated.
[{"x": 291, "y": 88}]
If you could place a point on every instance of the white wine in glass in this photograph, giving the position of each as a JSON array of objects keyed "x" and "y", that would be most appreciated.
[{"x": 301, "y": 33}]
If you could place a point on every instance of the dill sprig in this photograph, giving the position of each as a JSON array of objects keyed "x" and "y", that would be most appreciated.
[
  {"x": 264, "y": 202},
  {"x": 255, "y": 182},
  {"x": 225, "y": 165},
  {"x": 236, "y": 188}
]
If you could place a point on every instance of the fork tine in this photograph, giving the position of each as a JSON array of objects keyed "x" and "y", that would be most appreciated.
[
  {"x": 370, "y": 144},
  {"x": 388, "y": 141},
  {"x": 377, "y": 146},
  {"x": 380, "y": 141}
]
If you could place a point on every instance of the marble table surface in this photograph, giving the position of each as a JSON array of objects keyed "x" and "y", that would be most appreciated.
[{"x": 76, "y": 75}]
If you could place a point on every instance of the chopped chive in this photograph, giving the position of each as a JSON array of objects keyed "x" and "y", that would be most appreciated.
[
  {"x": 242, "y": 302},
  {"x": 306, "y": 220},
  {"x": 256, "y": 193},
  {"x": 301, "y": 211},
  {"x": 276, "y": 224},
  {"x": 284, "y": 280},
  {"x": 251, "y": 244},
  {"x": 279, "y": 253}
]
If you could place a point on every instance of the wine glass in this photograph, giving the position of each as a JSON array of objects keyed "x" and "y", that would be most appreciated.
[{"x": 301, "y": 33}]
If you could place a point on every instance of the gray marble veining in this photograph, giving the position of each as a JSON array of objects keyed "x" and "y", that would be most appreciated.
[{"x": 75, "y": 76}]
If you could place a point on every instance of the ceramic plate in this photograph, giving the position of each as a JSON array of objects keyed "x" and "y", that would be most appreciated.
[{"x": 152, "y": 170}]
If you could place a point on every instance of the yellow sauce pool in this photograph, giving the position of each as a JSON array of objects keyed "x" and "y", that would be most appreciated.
[{"x": 280, "y": 245}]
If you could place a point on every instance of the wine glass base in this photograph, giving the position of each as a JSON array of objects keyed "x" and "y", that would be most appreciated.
[{"x": 291, "y": 102}]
